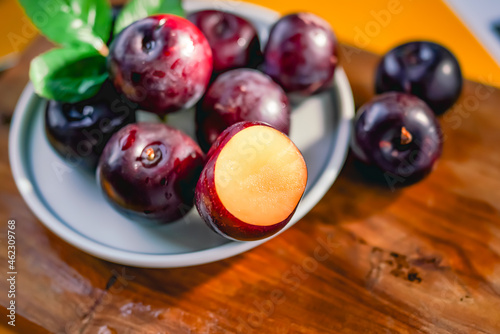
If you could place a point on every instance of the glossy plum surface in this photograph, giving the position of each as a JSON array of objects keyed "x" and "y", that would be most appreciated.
[
  {"x": 79, "y": 132},
  {"x": 241, "y": 95},
  {"x": 162, "y": 62},
  {"x": 148, "y": 171},
  {"x": 398, "y": 134},
  {"x": 301, "y": 54},
  {"x": 424, "y": 69},
  {"x": 234, "y": 40}
]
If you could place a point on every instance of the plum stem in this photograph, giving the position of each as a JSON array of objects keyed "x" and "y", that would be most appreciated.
[
  {"x": 406, "y": 136},
  {"x": 151, "y": 154}
]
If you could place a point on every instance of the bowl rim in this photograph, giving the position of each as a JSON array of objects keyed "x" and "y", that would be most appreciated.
[{"x": 29, "y": 99}]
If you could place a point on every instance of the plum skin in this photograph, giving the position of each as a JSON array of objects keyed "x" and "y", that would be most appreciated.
[
  {"x": 234, "y": 41},
  {"x": 301, "y": 54},
  {"x": 241, "y": 95},
  {"x": 162, "y": 62},
  {"x": 378, "y": 137},
  {"x": 158, "y": 191},
  {"x": 210, "y": 207},
  {"x": 78, "y": 132},
  {"x": 424, "y": 69}
]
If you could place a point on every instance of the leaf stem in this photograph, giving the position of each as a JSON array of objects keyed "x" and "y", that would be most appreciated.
[{"x": 104, "y": 50}]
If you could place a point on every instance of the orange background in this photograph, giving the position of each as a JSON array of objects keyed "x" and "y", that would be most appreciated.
[
  {"x": 15, "y": 30},
  {"x": 373, "y": 25}
]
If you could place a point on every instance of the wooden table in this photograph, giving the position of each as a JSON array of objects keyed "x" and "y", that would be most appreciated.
[{"x": 366, "y": 259}]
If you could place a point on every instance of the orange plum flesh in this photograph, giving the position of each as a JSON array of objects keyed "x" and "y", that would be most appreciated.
[{"x": 252, "y": 183}]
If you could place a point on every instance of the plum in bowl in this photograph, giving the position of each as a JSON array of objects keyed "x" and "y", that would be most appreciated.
[
  {"x": 301, "y": 54},
  {"x": 162, "y": 62},
  {"x": 252, "y": 183},
  {"x": 79, "y": 131},
  {"x": 234, "y": 41},
  {"x": 241, "y": 95},
  {"x": 148, "y": 171}
]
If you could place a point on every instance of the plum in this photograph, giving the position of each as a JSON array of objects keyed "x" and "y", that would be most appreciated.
[
  {"x": 234, "y": 40},
  {"x": 241, "y": 95},
  {"x": 79, "y": 131},
  {"x": 162, "y": 62},
  {"x": 427, "y": 70},
  {"x": 301, "y": 54},
  {"x": 399, "y": 135},
  {"x": 148, "y": 171},
  {"x": 252, "y": 183}
]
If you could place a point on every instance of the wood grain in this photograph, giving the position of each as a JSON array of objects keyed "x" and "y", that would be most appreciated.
[{"x": 366, "y": 259}]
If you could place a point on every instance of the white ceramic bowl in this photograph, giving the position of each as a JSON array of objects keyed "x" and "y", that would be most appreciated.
[{"x": 70, "y": 204}]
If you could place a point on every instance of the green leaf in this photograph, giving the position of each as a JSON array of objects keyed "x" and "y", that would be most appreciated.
[
  {"x": 72, "y": 22},
  {"x": 139, "y": 9},
  {"x": 68, "y": 75},
  {"x": 96, "y": 13}
]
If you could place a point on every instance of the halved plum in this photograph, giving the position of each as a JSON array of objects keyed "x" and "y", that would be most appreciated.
[{"x": 252, "y": 183}]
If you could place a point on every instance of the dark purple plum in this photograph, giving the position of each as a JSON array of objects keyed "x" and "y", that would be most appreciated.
[
  {"x": 399, "y": 135},
  {"x": 79, "y": 131},
  {"x": 424, "y": 69},
  {"x": 148, "y": 171},
  {"x": 234, "y": 40},
  {"x": 301, "y": 54},
  {"x": 162, "y": 62},
  {"x": 241, "y": 95}
]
